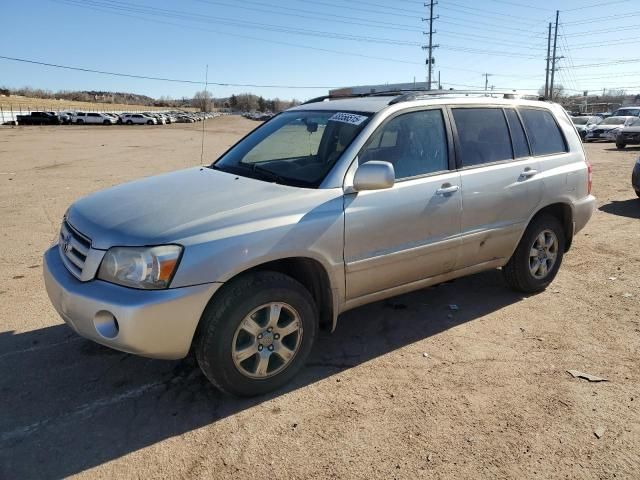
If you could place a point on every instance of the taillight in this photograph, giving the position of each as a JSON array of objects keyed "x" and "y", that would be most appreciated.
[{"x": 589, "y": 177}]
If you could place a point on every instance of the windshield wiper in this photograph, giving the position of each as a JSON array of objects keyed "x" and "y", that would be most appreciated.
[{"x": 265, "y": 172}]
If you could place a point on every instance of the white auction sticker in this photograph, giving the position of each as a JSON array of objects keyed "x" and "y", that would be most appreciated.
[{"x": 351, "y": 118}]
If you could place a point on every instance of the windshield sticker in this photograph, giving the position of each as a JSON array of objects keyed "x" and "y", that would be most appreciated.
[{"x": 350, "y": 118}]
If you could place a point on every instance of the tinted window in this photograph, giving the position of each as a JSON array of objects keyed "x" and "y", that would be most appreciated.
[
  {"x": 93, "y": 115},
  {"x": 484, "y": 136},
  {"x": 414, "y": 143},
  {"x": 518, "y": 138},
  {"x": 543, "y": 132}
]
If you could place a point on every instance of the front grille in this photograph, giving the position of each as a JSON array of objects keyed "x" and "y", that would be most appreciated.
[
  {"x": 598, "y": 131},
  {"x": 74, "y": 248}
]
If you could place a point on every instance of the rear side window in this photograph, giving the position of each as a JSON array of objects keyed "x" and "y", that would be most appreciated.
[
  {"x": 483, "y": 134},
  {"x": 520, "y": 145},
  {"x": 543, "y": 132}
]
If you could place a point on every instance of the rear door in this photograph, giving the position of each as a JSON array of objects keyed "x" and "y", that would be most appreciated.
[
  {"x": 501, "y": 185},
  {"x": 411, "y": 231}
]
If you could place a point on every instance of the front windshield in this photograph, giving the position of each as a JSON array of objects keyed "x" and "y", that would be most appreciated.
[
  {"x": 580, "y": 120},
  {"x": 296, "y": 148},
  {"x": 613, "y": 121}
]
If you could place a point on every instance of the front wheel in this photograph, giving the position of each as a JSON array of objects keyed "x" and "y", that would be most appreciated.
[
  {"x": 150, "y": 122},
  {"x": 620, "y": 146},
  {"x": 536, "y": 261},
  {"x": 256, "y": 334}
]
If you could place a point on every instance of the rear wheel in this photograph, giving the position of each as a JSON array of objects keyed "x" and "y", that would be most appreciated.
[
  {"x": 536, "y": 261},
  {"x": 638, "y": 193},
  {"x": 256, "y": 334},
  {"x": 620, "y": 146}
]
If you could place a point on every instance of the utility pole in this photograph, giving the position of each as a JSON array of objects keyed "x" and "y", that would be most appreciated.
[
  {"x": 553, "y": 65},
  {"x": 486, "y": 80},
  {"x": 431, "y": 46},
  {"x": 546, "y": 78},
  {"x": 439, "y": 83}
]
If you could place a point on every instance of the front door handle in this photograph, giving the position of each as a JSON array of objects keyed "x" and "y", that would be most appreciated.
[
  {"x": 528, "y": 173},
  {"x": 447, "y": 189}
]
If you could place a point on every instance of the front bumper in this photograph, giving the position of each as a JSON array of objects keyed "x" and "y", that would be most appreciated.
[
  {"x": 582, "y": 211},
  {"x": 151, "y": 323}
]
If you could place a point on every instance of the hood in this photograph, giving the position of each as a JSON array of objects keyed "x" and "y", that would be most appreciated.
[
  {"x": 634, "y": 129},
  {"x": 173, "y": 207}
]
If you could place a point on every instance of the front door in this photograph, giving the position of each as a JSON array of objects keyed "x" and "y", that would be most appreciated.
[{"x": 411, "y": 231}]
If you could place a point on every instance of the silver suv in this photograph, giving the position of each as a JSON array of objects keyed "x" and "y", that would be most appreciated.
[{"x": 328, "y": 206}]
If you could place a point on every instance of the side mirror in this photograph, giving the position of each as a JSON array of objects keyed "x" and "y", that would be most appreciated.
[{"x": 374, "y": 175}]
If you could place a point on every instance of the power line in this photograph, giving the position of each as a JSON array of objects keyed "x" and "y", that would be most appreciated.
[
  {"x": 163, "y": 79},
  {"x": 236, "y": 35},
  {"x": 121, "y": 6}
]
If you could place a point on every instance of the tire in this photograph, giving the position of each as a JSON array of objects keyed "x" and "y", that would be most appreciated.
[
  {"x": 220, "y": 333},
  {"x": 620, "y": 146},
  {"x": 129, "y": 122},
  {"x": 518, "y": 271},
  {"x": 79, "y": 122},
  {"x": 106, "y": 122},
  {"x": 149, "y": 122},
  {"x": 638, "y": 193}
]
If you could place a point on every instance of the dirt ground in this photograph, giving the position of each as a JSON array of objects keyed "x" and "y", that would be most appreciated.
[{"x": 490, "y": 399}]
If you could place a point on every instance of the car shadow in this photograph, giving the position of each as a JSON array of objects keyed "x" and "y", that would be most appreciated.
[
  {"x": 624, "y": 208},
  {"x": 628, "y": 148},
  {"x": 68, "y": 404}
]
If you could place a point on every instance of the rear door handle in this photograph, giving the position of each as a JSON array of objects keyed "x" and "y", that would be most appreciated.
[
  {"x": 528, "y": 173},
  {"x": 447, "y": 189}
]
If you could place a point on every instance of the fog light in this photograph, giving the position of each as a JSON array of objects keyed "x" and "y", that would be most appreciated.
[{"x": 106, "y": 324}]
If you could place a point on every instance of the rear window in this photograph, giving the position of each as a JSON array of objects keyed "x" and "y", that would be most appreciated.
[
  {"x": 543, "y": 132},
  {"x": 484, "y": 136}
]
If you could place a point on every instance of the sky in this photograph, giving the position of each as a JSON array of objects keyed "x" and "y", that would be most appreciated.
[{"x": 317, "y": 44}]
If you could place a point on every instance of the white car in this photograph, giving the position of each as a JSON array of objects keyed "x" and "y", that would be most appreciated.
[
  {"x": 139, "y": 119},
  {"x": 609, "y": 125},
  {"x": 93, "y": 118}
]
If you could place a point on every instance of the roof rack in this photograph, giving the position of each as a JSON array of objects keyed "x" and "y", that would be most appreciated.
[{"x": 409, "y": 95}]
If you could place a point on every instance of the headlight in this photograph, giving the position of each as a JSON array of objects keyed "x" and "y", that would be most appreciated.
[{"x": 149, "y": 268}]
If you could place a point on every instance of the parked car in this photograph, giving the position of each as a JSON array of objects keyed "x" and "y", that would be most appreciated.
[
  {"x": 633, "y": 111},
  {"x": 93, "y": 118},
  {"x": 583, "y": 123},
  {"x": 629, "y": 135},
  {"x": 635, "y": 177},
  {"x": 328, "y": 206},
  {"x": 138, "y": 118},
  {"x": 38, "y": 118},
  {"x": 66, "y": 117},
  {"x": 598, "y": 132}
]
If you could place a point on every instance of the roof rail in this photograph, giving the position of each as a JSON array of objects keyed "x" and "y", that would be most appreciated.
[
  {"x": 421, "y": 94},
  {"x": 409, "y": 95}
]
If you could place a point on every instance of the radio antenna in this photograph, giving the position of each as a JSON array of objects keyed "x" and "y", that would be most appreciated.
[{"x": 205, "y": 104}]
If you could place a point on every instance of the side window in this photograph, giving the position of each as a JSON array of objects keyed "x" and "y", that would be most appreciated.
[
  {"x": 543, "y": 132},
  {"x": 483, "y": 134},
  {"x": 414, "y": 143},
  {"x": 518, "y": 138},
  {"x": 93, "y": 115}
]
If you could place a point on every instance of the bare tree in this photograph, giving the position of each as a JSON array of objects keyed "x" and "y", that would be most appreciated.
[
  {"x": 203, "y": 100},
  {"x": 558, "y": 91}
]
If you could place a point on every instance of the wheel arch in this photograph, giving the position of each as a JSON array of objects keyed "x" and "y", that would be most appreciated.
[
  {"x": 309, "y": 272},
  {"x": 564, "y": 213}
]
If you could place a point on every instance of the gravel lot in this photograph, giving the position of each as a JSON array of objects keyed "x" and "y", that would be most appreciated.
[{"x": 490, "y": 399}]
